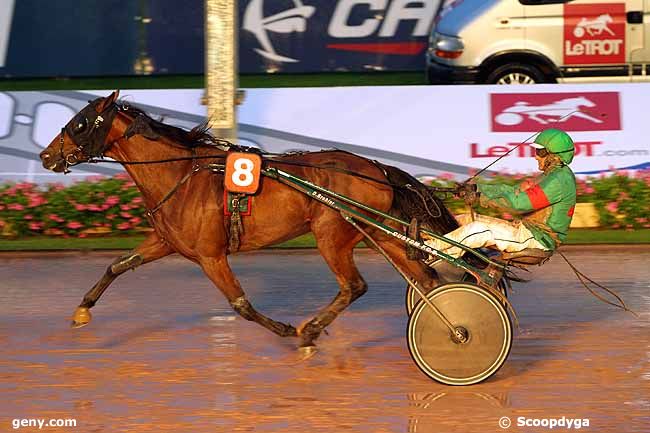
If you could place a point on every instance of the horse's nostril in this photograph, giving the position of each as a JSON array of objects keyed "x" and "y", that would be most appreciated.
[{"x": 45, "y": 156}]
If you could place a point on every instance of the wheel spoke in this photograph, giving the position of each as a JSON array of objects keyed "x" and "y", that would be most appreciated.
[{"x": 516, "y": 78}]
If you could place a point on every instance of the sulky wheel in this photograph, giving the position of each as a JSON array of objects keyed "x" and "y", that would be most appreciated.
[
  {"x": 412, "y": 297},
  {"x": 479, "y": 317}
]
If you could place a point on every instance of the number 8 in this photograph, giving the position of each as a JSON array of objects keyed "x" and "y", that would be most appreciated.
[{"x": 243, "y": 167}]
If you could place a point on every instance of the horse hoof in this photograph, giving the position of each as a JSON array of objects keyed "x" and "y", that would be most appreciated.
[
  {"x": 306, "y": 352},
  {"x": 81, "y": 317}
]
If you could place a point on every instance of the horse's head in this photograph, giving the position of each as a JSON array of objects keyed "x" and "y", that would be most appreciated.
[
  {"x": 579, "y": 101},
  {"x": 84, "y": 137}
]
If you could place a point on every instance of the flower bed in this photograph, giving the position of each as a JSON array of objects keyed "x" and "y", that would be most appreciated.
[
  {"x": 94, "y": 206},
  {"x": 99, "y": 206}
]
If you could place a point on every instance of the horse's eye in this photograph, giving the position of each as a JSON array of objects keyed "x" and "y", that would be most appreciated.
[{"x": 80, "y": 125}]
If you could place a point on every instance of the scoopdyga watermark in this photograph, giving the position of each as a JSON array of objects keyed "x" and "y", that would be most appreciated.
[{"x": 549, "y": 423}]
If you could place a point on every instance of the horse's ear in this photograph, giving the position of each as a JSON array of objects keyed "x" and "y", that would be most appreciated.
[{"x": 107, "y": 101}]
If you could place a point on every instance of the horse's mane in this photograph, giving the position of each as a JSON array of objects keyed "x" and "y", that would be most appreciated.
[{"x": 196, "y": 137}]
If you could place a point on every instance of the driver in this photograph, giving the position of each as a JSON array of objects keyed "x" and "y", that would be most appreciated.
[{"x": 543, "y": 205}]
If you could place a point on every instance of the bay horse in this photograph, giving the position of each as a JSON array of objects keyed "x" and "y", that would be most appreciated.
[{"x": 188, "y": 218}]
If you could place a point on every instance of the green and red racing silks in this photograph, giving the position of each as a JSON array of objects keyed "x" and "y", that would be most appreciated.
[{"x": 554, "y": 191}]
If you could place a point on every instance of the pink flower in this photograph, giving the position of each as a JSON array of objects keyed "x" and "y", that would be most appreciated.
[
  {"x": 135, "y": 220},
  {"x": 16, "y": 206},
  {"x": 94, "y": 208},
  {"x": 126, "y": 215},
  {"x": 28, "y": 217},
  {"x": 612, "y": 206},
  {"x": 80, "y": 207},
  {"x": 54, "y": 217},
  {"x": 136, "y": 200},
  {"x": 623, "y": 196},
  {"x": 641, "y": 220},
  {"x": 112, "y": 200},
  {"x": 82, "y": 235},
  {"x": 125, "y": 207},
  {"x": 74, "y": 225},
  {"x": 111, "y": 216},
  {"x": 122, "y": 176},
  {"x": 589, "y": 190},
  {"x": 24, "y": 186},
  {"x": 36, "y": 200},
  {"x": 2, "y": 207},
  {"x": 123, "y": 226},
  {"x": 35, "y": 226}
]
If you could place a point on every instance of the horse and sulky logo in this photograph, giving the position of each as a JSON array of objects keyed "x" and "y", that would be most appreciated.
[
  {"x": 594, "y": 33},
  {"x": 529, "y": 112}
]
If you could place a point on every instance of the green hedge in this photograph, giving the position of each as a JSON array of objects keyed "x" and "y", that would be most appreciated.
[{"x": 100, "y": 206}]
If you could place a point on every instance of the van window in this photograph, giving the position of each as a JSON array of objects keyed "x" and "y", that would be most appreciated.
[{"x": 542, "y": 2}]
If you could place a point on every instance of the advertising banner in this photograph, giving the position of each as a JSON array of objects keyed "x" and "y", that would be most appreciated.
[
  {"x": 340, "y": 35},
  {"x": 167, "y": 37},
  {"x": 427, "y": 131}
]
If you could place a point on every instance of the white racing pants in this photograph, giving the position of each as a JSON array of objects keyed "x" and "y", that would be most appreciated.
[{"x": 485, "y": 231}]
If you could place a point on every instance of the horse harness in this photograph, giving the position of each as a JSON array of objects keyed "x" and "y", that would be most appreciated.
[{"x": 89, "y": 131}]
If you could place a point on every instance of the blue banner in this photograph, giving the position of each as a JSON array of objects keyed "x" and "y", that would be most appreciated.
[{"x": 72, "y": 38}]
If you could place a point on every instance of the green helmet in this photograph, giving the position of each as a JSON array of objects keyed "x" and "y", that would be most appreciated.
[{"x": 557, "y": 142}]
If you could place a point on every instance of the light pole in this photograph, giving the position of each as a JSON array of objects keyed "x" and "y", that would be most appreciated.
[{"x": 221, "y": 67}]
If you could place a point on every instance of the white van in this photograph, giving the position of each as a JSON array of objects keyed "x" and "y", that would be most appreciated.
[{"x": 540, "y": 41}]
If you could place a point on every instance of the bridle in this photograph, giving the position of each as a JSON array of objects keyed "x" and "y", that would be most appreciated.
[{"x": 87, "y": 144}]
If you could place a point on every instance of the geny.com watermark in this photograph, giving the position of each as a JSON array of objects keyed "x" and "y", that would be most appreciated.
[
  {"x": 41, "y": 422},
  {"x": 549, "y": 423}
]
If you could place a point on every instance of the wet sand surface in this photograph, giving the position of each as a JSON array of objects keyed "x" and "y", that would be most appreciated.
[{"x": 165, "y": 353}]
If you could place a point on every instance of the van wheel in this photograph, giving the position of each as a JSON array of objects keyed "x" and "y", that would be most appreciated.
[{"x": 516, "y": 73}]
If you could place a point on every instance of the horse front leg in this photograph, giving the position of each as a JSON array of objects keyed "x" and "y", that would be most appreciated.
[
  {"x": 152, "y": 248},
  {"x": 219, "y": 272}
]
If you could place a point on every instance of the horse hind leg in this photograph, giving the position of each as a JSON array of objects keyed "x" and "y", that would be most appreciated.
[
  {"x": 338, "y": 253},
  {"x": 219, "y": 272}
]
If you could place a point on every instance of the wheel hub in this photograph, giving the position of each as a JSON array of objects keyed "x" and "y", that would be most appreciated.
[{"x": 460, "y": 335}]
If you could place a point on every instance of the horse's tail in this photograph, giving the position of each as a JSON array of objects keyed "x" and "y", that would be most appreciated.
[{"x": 412, "y": 199}]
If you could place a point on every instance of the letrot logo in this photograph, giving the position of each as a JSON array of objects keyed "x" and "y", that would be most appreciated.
[
  {"x": 523, "y": 112},
  {"x": 594, "y": 33},
  {"x": 288, "y": 21}
]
